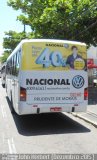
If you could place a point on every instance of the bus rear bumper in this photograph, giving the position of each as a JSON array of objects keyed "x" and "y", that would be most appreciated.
[{"x": 23, "y": 110}]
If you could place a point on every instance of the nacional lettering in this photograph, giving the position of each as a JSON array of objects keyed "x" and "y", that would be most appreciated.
[
  {"x": 54, "y": 45},
  {"x": 47, "y": 82}
]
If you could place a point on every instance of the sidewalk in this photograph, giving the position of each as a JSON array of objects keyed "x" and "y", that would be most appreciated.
[{"x": 90, "y": 116}]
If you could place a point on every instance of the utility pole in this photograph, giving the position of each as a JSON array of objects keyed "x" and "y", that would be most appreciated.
[{"x": 24, "y": 28}]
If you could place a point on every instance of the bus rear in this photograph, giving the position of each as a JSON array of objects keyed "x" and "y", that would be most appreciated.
[{"x": 53, "y": 77}]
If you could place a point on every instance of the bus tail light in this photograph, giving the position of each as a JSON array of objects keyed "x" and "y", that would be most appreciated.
[
  {"x": 86, "y": 94},
  {"x": 22, "y": 94}
]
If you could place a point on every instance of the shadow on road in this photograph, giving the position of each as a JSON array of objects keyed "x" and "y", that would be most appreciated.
[{"x": 46, "y": 124}]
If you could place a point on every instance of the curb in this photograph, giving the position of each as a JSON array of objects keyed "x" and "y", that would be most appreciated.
[{"x": 85, "y": 119}]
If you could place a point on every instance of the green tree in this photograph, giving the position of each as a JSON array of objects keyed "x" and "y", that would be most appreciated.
[
  {"x": 61, "y": 19},
  {"x": 11, "y": 40},
  {"x": 4, "y": 56}
]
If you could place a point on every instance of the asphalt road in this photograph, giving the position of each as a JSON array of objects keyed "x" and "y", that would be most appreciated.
[{"x": 44, "y": 133}]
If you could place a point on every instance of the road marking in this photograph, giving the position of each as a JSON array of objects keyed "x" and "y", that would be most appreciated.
[
  {"x": 3, "y": 111},
  {"x": 3, "y": 137},
  {"x": 11, "y": 145}
]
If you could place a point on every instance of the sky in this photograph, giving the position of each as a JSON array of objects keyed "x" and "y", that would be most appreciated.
[
  {"x": 92, "y": 52},
  {"x": 8, "y": 21}
]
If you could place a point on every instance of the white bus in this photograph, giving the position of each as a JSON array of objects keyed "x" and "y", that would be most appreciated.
[
  {"x": 45, "y": 75},
  {"x": 3, "y": 74}
]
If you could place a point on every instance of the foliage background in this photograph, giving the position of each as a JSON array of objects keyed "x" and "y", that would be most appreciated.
[{"x": 59, "y": 19}]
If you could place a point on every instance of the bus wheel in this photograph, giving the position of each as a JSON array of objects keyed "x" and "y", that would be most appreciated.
[
  {"x": 3, "y": 85},
  {"x": 12, "y": 108}
]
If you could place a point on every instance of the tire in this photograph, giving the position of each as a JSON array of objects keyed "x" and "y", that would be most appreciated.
[{"x": 3, "y": 85}]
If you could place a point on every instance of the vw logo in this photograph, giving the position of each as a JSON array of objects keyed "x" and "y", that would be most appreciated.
[{"x": 78, "y": 81}]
